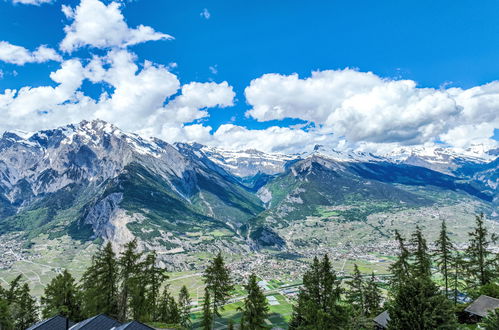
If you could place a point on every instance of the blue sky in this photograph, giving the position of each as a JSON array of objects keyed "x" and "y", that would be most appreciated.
[{"x": 447, "y": 46}]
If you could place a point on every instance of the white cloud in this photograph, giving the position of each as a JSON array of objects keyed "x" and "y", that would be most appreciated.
[
  {"x": 100, "y": 26},
  {"x": 19, "y": 55},
  {"x": 140, "y": 100},
  {"x": 205, "y": 14},
  {"x": 32, "y": 2},
  {"x": 364, "y": 107}
]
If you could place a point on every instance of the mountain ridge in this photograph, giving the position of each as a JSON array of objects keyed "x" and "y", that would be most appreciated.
[{"x": 92, "y": 181}]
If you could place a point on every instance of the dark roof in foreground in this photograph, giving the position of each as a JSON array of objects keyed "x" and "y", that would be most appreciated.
[
  {"x": 98, "y": 322},
  {"x": 482, "y": 306},
  {"x": 382, "y": 319},
  {"x": 134, "y": 325},
  {"x": 57, "y": 322}
]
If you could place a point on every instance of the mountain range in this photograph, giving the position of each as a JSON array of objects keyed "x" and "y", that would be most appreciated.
[{"x": 93, "y": 182}]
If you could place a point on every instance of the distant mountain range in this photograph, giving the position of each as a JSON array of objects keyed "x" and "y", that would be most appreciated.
[{"x": 92, "y": 181}]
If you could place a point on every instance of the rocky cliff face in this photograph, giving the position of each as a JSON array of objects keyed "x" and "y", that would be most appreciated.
[{"x": 92, "y": 180}]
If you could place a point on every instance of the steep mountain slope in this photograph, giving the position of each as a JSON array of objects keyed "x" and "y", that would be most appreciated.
[
  {"x": 94, "y": 181},
  {"x": 330, "y": 187},
  {"x": 91, "y": 181}
]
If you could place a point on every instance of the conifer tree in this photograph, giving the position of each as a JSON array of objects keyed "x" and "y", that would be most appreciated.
[
  {"x": 400, "y": 268},
  {"x": 153, "y": 278},
  {"x": 255, "y": 309},
  {"x": 356, "y": 291},
  {"x": 5, "y": 316},
  {"x": 169, "y": 310},
  {"x": 444, "y": 255},
  {"x": 372, "y": 297},
  {"x": 24, "y": 309},
  {"x": 480, "y": 261},
  {"x": 18, "y": 309},
  {"x": 184, "y": 302},
  {"x": 318, "y": 305},
  {"x": 206, "y": 321},
  {"x": 417, "y": 302},
  {"x": 100, "y": 284},
  {"x": 458, "y": 267},
  {"x": 218, "y": 281},
  {"x": 129, "y": 273},
  {"x": 62, "y": 297}
]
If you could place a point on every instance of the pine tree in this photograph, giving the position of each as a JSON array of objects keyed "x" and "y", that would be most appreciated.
[
  {"x": 444, "y": 254},
  {"x": 372, "y": 297},
  {"x": 168, "y": 308},
  {"x": 480, "y": 261},
  {"x": 318, "y": 305},
  {"x": 129, "y": 273},
  {"x": 62, "y": 297},
  {"x": 184, "y": 302},
  {"x": 206, "y": 321},
  {"x": 417, "y": 302},
  {"x": 255, "y": 309},
  {"x": 400, "y": 268},
  {"x": 218, "y": 281},
  {"x": 153, "y": 278},
  {"x": 356, "y": 291},
  {"x": 24, "y": 310},
  {"x": 6, "y": 321},
  {"x": 458, "y": 267},
  {"x": 18, "y": 309},
  {"x": 100, "y": 284}
]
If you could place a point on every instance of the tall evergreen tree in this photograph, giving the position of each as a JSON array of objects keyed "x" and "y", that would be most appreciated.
[
  {"x": 153, "y": 278},
  {"x": 62, "y": 297},
  {"x": 168, "y": 308},
  {"x": 356, "y": 291},
  {"x": 218, "y": 281},
  {"x": 372, "y": 297},
  {"x": 255, "y": 309},
  {"x": 129, "y": 274},
  {"x": 100, "y": 284},
  {"x": 458, "y": 267},
  {"x": 18, "y": 309},
  {"x": 207, "y": 320},
  {"x": 480, "y": 259},
  {"x": 24, "y": 309},
  {"x": 400, "y": 268},
  {"x": 184, "y": 303},
  {"x": 6, "y": 321},
  {"x": 444, "y": 255},
  {"x": 417, "y": 302},
  {"x": 318, "y": 305}
]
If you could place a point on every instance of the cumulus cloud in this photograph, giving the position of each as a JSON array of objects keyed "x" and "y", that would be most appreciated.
[
  {"x": 147, "y": 99},
  {"x": 19, "y": 55},
  {"x": 361, "y": 106},
  {"x": 100, "y": 26},
  {"x": 344, "y": 109},
  {"x": 32, "y": 2}
]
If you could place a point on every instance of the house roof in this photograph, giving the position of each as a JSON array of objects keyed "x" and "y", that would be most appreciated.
[
  {"x": 57, "y": 322},
  {"x": 382, "y": 319},
  {"x": 482, "y": 306},
  {"x": 98, "y": 322},
  {"x": 134, "y": 325}
]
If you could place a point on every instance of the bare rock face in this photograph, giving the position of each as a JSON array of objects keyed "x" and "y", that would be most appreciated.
[{"x": 92, "y": 180}]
